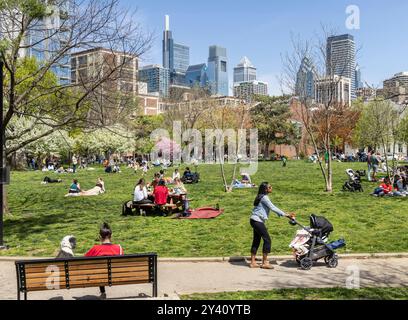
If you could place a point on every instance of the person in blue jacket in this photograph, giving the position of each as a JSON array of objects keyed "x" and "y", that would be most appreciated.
[{"x": 260, "y": 214}]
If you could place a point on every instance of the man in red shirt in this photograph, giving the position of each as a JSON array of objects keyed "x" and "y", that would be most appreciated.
[
  {"x": 161, "y": 194},
  {"x": 106, "y": 249}
]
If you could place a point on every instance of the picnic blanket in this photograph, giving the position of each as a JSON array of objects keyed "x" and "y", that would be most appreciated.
[{"x": 204, "y": 213}]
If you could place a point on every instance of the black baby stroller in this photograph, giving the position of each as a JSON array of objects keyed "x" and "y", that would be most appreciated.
[
  {"x": 310, "y": 244},
  {"x": 354, "y": 182}
]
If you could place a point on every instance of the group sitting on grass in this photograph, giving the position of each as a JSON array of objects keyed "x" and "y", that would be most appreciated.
[
  {"x": 76, "y": 191},
  {"x": 387, "y": 189}
]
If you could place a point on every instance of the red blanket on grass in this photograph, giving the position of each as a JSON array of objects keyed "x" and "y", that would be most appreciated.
[{"x": 205, "y": 213}]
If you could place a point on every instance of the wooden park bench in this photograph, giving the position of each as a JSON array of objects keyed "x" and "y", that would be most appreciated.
[{"x": 74, "y": 273}]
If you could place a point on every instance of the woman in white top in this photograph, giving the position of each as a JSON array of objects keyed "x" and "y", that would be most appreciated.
[
  {"x": 140, "y": 195},
  {"x": 176, "y": 175}
]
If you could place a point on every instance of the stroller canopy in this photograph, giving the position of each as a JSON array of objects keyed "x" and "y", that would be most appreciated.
[{"x": 322, "y": 224}]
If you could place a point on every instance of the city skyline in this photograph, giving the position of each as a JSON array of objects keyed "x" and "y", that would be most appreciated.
[{"x": 278, "y": 21}]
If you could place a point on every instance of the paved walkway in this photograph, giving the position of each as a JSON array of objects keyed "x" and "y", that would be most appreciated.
[{"x": 177, "y": 278}]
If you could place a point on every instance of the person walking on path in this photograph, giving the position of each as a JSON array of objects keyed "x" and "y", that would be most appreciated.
[{"x": 260, "y": 214}]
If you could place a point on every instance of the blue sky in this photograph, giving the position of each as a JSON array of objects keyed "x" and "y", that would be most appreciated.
[{"x": 262, "y": 31}]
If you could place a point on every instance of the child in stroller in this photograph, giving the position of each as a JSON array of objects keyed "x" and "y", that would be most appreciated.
[
  {"x": 310, "y": 244},
  {"x": 354, "y": 183}
]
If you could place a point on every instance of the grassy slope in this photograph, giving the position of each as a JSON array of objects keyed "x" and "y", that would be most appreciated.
[
  {"x": 309, "y": 294},
  {"x": 41, "y": 215}
]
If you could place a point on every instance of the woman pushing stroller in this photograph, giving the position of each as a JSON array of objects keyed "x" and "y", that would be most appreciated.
[{"x": 260, "y": 214}]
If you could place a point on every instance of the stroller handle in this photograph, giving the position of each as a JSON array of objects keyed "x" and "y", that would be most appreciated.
[{"x": 295, "y": 222}]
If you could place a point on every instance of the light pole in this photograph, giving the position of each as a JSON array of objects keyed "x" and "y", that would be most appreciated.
[{"x": 3, "y": 170}]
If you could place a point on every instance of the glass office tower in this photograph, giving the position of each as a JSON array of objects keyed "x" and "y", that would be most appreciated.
[
  {"x": 176, "y": 57},
  {"x": 244, "y": 71},
  {"x": 157, "y": 79},
  {"x": 218, "y": 71},
  {"x": 197, "y": 75}
]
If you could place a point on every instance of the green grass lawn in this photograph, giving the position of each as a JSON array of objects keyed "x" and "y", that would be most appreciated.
[
  {"x": 41, "y": 216},
  {"x": 308, "y": 294}
]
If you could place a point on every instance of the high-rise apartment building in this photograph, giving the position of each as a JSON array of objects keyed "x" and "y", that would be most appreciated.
[
  {"x": 247, "y": 90},
  {"x": 244, "y": 71},
  {"x": 91, "y": 65},
  {"x": 396, "y": 88},
  {"x": 176, "y": 57},
  {"x": 157, "y": 79},
  {"x": 335, "y": 89},
  {"x": 218, "y": 71},
  {"x": 341, "y": 59}
]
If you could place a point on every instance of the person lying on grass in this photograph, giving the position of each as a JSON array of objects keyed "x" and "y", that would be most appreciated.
[
  {"x": 95, "y": 191},
  {"x": 48, "y": 180}
]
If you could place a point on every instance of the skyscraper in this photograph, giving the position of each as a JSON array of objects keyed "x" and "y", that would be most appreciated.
[
  {"x": 305, "y": 80},
  {"x": 157, "y": 79},
  {"x": 341, "y": 59},
  {"x": 359, "y": 81},
  {"x": 176, "y": 57},
  {"x": 218, "y": 71},
  {"x": 244, "y": 71},
  {"x": 44, "y": 47},
  {"x": 196, "y": 75}
]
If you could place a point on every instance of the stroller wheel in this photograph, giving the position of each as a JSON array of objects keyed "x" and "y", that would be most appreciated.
[
  {"x": 332, "y": 261},
  {"x": 306, "y": 263}
]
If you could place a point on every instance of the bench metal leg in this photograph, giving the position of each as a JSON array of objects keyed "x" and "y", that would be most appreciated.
[
  {"x": 25, "y": 295},
  {"x": 18, "y": 295},
  {"x": 155, "y": 289}
]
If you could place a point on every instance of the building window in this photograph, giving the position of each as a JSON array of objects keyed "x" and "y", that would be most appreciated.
[{"x": 223, "y": 66}]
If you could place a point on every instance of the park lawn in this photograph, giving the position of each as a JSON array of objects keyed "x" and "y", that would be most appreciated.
[
  {"x": 41, "y": 216},
  {"x": 308, "y": 294}
]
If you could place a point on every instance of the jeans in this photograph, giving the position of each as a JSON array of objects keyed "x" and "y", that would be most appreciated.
[
  {"x": 260, "y": 232},
  {"x": 369, "y": 172}
]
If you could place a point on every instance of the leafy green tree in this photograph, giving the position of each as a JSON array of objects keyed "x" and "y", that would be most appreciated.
[{"x": 271, "y": 116}]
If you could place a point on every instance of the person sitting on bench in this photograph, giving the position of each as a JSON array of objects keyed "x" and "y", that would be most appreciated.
[
  {"x": 161, "y": 194},
  {"x": 105, "y": 249},
  {"x": 140, "y": 195}
]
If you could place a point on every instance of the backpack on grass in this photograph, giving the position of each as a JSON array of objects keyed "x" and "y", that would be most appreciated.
[{"x": 127, "y": 208}]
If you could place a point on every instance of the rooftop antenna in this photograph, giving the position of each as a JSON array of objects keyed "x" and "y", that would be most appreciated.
[{"x": 167, "y": 22}]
